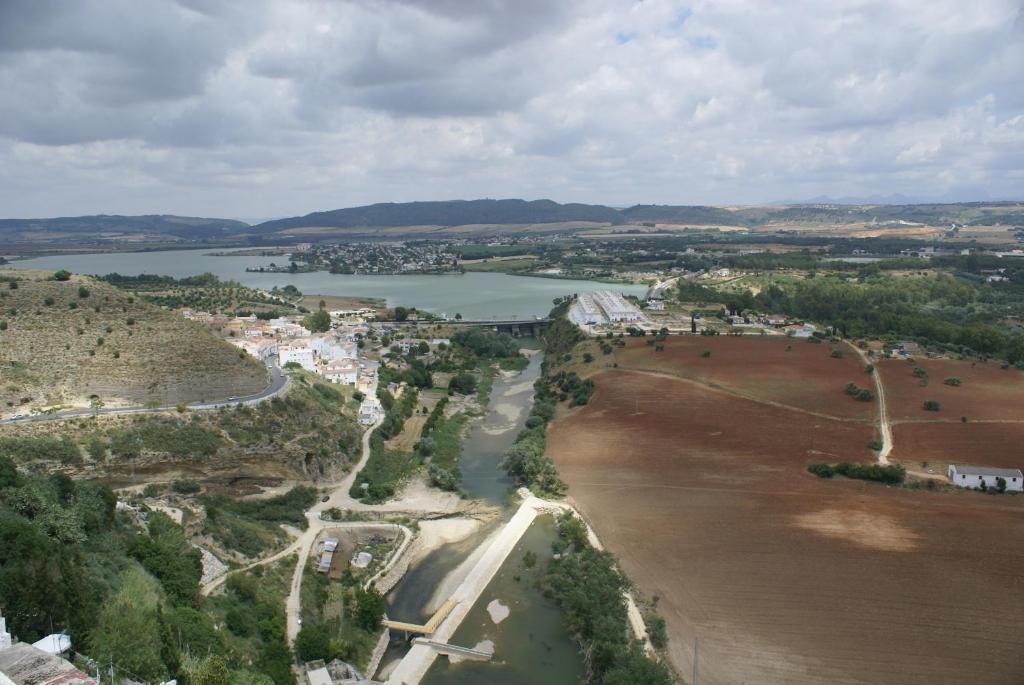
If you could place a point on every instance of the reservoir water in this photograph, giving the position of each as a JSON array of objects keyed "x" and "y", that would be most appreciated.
[{"x": 474, "y": 295}]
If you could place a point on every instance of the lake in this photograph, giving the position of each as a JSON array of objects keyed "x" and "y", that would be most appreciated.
[{"x": 474, "y": 295}]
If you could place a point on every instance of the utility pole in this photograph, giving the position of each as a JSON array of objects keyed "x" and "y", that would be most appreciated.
[{"x": 696, "y": 646}]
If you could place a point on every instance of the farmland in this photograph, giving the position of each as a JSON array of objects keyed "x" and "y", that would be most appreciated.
[
  {"x": 985, "y": 390},
  {"x": 693, "y": 471},
  {"x": 792, "y": 372}
]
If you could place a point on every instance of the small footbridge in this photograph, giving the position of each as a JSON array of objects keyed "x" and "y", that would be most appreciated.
[
  {"x": 427, "y": 628},
  {"x": 454, "y": 650}
]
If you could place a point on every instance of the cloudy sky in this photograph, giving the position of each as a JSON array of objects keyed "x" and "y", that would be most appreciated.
[{"x": 253, "y": 108}]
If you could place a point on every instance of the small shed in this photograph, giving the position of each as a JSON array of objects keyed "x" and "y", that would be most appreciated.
[{"x": 967, "y": 476}]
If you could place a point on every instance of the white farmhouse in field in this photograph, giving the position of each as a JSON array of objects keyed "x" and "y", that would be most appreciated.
[{"x": 967, "y": 476}]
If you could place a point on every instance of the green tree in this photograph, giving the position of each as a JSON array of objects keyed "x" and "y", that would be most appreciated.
[
  {"x": 127, "y": 636},
  {"x": 401, "y": 314},
  {"x": 312, "y": 642},
  {"x": 370, "y": 608},
  {"x": 61, "y": 275},
  {"x": 318, "y": 322}
]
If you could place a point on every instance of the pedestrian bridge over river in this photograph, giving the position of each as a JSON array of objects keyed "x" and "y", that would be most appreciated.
[{"x": 427, "y": 628}]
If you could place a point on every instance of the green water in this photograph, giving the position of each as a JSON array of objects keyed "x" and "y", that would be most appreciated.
[
  {"x": 530, "y": 645},
  {"x": 474, "y": 295}
]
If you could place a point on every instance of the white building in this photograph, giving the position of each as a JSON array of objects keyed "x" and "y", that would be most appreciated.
[
  {"x": 369, "y": 411},
  {"x": 330, "y": 347},
  {"x": 5, "y": 637},
  {"x": 297, "y": 351},
  {"x": 261, "y": 348},
  {"x": 967, "y": 476},
  {"x": 615, "y": 307},
  {"x": 344, "y": 371}
]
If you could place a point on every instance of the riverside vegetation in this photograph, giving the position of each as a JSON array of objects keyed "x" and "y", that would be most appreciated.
[
  {"x": 585, "y": 582},
  {"x": 470, "y": 362}
]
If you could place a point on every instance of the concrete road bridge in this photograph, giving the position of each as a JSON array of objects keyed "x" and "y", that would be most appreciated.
[{"x": 516, "y": 327}]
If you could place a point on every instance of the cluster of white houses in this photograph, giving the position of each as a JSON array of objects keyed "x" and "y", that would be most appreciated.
[{"x": 334, "y": 355}]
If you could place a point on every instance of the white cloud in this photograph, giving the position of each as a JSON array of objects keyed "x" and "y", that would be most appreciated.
[{"x": 263, "y": 108}]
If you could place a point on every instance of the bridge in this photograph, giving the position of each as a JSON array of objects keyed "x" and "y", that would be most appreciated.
[
  {"x": 454, "y": 650},
  {"x": 516, "y": 327},
  {"x": 427, "y": 628}
]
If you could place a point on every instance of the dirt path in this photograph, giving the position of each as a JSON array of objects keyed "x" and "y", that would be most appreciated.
[{"x": 884, "y": 427}]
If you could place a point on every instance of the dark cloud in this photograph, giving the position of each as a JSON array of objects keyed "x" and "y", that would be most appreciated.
[{"x": 292, "y": 105}]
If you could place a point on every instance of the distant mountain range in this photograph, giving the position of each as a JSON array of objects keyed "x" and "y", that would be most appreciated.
[{"x": 134, "y": 232}]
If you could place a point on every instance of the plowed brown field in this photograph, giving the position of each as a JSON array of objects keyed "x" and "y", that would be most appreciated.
[
  {"x": 984, "y": 444},
  {"x": 783, "y": 577},
  {"x": 777, "y": 369},
  {"x": 986, "y": 391}
]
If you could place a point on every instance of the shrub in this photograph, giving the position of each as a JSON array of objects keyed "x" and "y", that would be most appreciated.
[
  {"x": 656, "y": 631},
  {"x": 857, "y": 392},
  {"x": 587, "y": 357},
  {"x": 952, "y": 380},
  {"x": 706, "y": 353},
  {"x": 870, "y": 368},
  {"x": 822, "y": 470},
  {"x": 837, "y": 354},
  {"x": 875, "y": 445},
  {"x": 61, "y": 275},
  {"x": 48, "y": 301},
  {"x": 83, "y": 292},
  {"x": 919, "y": 372},
  {"x": 931, "y": 405},
  {"x": 185, "y": 487}
]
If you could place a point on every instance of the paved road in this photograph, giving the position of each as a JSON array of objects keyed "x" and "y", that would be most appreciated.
[{"x": 278, "y": 382}]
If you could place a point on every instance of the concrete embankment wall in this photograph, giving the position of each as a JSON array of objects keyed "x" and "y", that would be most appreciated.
[
  {"x": 378, "y": 652},
  {"x": 416, "y": 663}
]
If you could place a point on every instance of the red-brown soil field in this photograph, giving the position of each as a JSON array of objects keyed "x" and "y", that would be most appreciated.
[
  {"x": 983, "y": 444},
  {"x": 986, "y": 391},
  {"x": 772, "y": 368},
  {"x": 786, "y": 578}
]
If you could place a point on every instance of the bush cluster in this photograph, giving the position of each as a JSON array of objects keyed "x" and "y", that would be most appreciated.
[{"x": 891, "y": 474}]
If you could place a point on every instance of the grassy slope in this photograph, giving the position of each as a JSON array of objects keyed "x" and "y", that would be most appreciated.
[{"x": 52, "y": 354}]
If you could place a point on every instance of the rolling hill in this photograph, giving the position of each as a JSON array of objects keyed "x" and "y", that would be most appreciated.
[{"x": 63, "y": 342}]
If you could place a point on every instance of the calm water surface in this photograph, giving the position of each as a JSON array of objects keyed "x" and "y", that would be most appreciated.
[{"x": 474, "y": 295}]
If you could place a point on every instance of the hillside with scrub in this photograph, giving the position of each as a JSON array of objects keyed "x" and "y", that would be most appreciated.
[
  {"x": 308, "y": 433},
  {"x": 68, "y": 340}
]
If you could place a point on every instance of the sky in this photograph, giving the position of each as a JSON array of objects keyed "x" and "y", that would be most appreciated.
[{"x": 257, "y": 108}]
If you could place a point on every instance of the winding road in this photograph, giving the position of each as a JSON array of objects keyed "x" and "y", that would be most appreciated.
[{"x": 278, "y": 382}]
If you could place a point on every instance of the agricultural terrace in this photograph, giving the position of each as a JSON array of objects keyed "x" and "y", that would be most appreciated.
[
  {"x": 787, "y": 371},
  {"x": 705, "y": 499}
]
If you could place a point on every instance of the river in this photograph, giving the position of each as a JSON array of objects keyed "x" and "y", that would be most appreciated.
[
  {"x": 531, "y": 645},
  {"x": 474, "y": 295}
]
